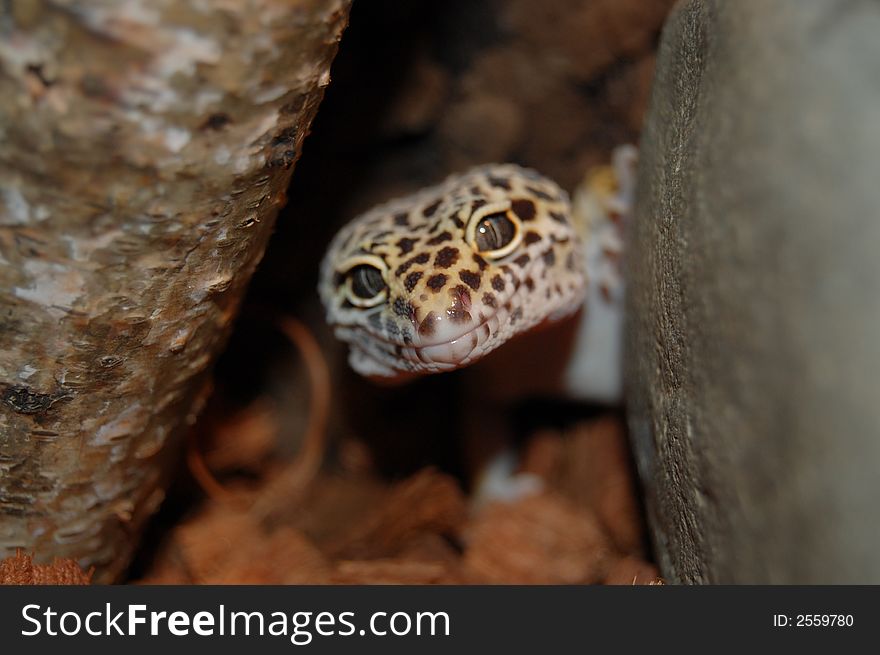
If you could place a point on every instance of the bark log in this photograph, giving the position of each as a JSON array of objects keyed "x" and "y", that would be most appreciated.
[{"x": 145, "y": 148}]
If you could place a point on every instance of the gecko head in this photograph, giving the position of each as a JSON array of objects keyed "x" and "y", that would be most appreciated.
[{"x": 436, "y": 280}]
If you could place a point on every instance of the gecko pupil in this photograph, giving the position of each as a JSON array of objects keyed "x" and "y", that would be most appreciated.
[
  {"x": 494, "y": 232},
  {"x": 366, "y": 281}
]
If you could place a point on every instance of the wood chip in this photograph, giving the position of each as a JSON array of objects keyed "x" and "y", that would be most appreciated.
[
  {"x": 596, "y": 473},
  {"x": 428, "y": 502},
  {"x": 20, "y": 569},
  {"x": 539, "y": 540}
]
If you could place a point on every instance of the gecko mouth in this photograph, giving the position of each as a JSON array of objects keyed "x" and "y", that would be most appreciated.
[
  {"x": 458, "y": 351},
  {"x": 461, "y": 350},
  {"x": 446, "y": 355}
]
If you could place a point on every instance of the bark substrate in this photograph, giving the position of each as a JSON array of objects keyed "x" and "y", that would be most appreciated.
[{"x": 351, "y": 527}]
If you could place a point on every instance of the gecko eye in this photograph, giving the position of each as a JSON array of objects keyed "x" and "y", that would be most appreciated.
[
  {"x": 365, "y": 285},
  {"x": 495, "y": 234}
]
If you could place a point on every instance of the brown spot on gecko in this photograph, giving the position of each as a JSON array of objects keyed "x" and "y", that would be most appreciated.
[
  {"x": 431, "y": 209},
  {"x": 401, "y": 219},
  {"x": 530, "y": 284},
  {"x": 499, "y": 182},
  {"x": 479, "y": 261},
  {"x": 406, "y": 245},
  {"x": 421, "y": 258},
  {"x": 531, "y": 237},
  {"x": 549, "y": 257},
  {"x": 440, "y": 238},
  {"x": 412, "y": 280},
  {"x": 446, "y": 257},
  {"x": 436, "y": 282},
  {"x": 473, "y": 280},
  {"x": 524, "y": 208},
  {"x": 522, "y": 260},
  {"x": 498, "y": 283},
  {"x": 559, "y": 217},
  {"x": 540, "y": 194},
  {"x": 489, "y": 300}
]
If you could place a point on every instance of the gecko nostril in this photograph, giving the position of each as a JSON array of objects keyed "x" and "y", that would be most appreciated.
[{"x": 461, "y": 297}]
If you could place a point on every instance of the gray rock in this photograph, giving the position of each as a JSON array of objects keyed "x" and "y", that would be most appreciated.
[{"x": 754, "y": 308}]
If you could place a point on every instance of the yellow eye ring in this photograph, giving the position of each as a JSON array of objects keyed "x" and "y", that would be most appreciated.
[{"x": 494, "y": 230}]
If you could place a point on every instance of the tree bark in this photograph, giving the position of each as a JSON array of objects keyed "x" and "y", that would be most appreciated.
[{"x": 145, "y": 148}]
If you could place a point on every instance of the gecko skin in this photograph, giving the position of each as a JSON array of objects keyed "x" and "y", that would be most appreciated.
[{"x": 436, "y": 280}]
